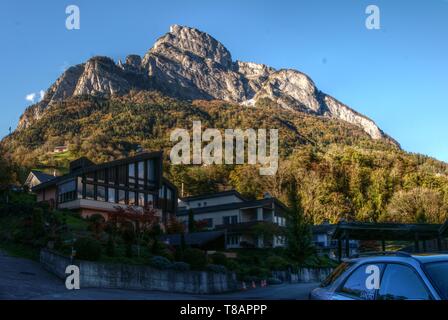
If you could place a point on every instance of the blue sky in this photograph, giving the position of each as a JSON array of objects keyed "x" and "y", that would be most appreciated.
[{"x": 396, "y": 75}]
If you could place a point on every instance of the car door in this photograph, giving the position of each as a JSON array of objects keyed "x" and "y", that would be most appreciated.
[
  {"x": 357, "y": 284},
  {"x": 402, "y": 282}
]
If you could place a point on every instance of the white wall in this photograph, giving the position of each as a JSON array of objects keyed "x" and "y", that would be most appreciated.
[
  {"x": 217, "y": 216},
  {"x": 215, "y": 201}
]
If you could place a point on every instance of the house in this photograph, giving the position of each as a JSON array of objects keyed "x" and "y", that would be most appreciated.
[
  {"x": 37, "y": 177},
  {"x": 322, "y": 236},
  {"x": 99, "y": 188},
  {"x": 60, "y": 149},
  {"x": 246, "y": 223}
]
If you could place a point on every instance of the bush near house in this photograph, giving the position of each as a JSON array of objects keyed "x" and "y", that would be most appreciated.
[
  {"x": 88, "y": 249},
  {"x": 196, "y": 258},
  {"x": 180, "y": 266},
  {"x": 161, "y": 263}
]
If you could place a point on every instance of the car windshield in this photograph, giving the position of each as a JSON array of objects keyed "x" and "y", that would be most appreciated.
[
  {"x": 438, "y": 274},
  {"x": 335, "y": 274}
]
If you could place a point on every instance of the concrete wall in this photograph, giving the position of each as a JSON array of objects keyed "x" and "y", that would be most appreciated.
[
  {"x": 303, "y": 275},
  {"x": 103, "y": 275}
]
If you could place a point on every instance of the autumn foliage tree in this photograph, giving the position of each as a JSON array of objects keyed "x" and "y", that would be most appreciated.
[{"x": 136, "y": 224}]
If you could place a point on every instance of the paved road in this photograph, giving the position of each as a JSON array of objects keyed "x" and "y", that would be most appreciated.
[{"x": 25, "y": 279}]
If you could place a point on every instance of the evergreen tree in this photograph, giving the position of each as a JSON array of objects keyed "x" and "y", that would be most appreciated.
[
  {"x": 191, "y": 222},
  {"x": 298, "y": 229}
]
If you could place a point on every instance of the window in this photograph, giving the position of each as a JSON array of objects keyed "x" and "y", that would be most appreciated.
[
  {"x": 122, "y": 172},
  {"x": 100, "y": 193},
  {"x": 121, "y": 197},
  {"x": 151, "y": 174},
  {"x": 230, "y": 220},
  {"x": 90, "y": 176},
  {"x": 89, "y": 191},
  {"x": 111, "y": 195},
  {"x": 150, "y": 200},
  {"x": 141, "y": 173},
  {"x": 131, "y": 173},
  {"x": 335, "y": 274},
  {"x": 355, "y": 285},
  {"x": 131, "y": 200},
  {"x": 401, "y": 282},
  {"x": 141, "y": 199},
  {"x": 112, "y": 175},
  {"x": 233, "y": 240},
  {"x": 162, "y": 197},
  {"x": 67, "y": 191},
  {"x": 169, "y": 199},
  {"x": 437, "y": 271},
  {"x": 101, "y": 176},
  {"x": 79, "y": 187}
]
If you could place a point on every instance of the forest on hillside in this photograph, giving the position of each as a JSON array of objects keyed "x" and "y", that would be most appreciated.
[{"x": 340, "y": 172}]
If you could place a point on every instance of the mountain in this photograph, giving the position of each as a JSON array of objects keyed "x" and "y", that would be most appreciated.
[
  {"x": 189, "y": 64},
  {"x": 344, "y": 166}
]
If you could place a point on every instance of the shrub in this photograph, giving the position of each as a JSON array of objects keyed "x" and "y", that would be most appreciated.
[
  {"x": 160, "y": 263},
  {"x": 277, "y": 263},
  {"x": 87, "y": 249},
  {"x": 258, "y": 272},
  {"x": 273, "y": 281},
  {"x": 110, "y": 247},
  {"x": 180, "y": 266},
  {"x": 232, "y": 265},
  {"x": 216, "y": 268},
  {"x": 219, "y": 258},
  {"x": 195, "y": 257}
]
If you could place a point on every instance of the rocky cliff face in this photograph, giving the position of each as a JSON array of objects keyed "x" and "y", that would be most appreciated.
[{"x": 190, "y": 64}]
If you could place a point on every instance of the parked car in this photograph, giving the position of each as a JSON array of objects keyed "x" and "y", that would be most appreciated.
[{"x": 402, "y": 276}]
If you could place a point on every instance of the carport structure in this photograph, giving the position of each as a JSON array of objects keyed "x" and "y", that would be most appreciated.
[{"x": 417, "y": 233}]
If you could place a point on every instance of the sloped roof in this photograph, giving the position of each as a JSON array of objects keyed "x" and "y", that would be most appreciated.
[
  {"x": 214, "y": 195},
  {"x": 42, "y": 177}
]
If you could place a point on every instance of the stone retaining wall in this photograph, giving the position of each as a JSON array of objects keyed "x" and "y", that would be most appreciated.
[{"x": 119, "y": 276}]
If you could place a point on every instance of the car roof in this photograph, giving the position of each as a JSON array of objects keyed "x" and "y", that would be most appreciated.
[
  {"x": 430, "y": 257},
  {"x": 401, "y": 257}
]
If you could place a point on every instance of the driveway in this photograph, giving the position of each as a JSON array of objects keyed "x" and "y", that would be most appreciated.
[{"x": 26, "y": 279}]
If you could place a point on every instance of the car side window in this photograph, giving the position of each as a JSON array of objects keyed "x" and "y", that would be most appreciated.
[
  {"x": 335, "y": 274},
  {"x": 401, "y": 282},
  {"x": 356, "y": 284}
]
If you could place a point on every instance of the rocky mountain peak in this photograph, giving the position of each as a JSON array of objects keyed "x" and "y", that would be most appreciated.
[
  {"x": 196, "y": 42},
  {"x": 190, "y": 64}
]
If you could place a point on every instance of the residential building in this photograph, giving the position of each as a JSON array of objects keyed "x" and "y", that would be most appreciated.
[
  {"x": 325, "y": 244},
  {"x": 60, "y": 149},
  {"x": 246, "y": 223},
  {"x": 37, "y": 177},
  {"x": 99, "y": 188}
]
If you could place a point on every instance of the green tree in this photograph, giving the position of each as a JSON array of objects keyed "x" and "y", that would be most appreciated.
[
  {"x": 298, "y": 229},
  {"x": 191, "y": 221}
]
